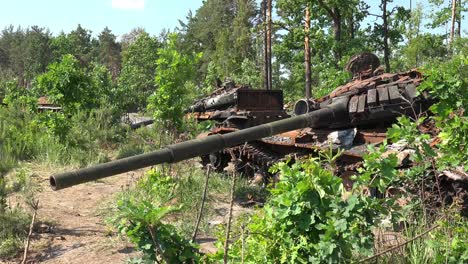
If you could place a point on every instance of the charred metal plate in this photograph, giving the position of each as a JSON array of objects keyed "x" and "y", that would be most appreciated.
[
  {"x": 362, "y": 103},
  {"x": 410, "y": 90},
  {"x": 402, "y": 84},
  {"x": 372, "y": 97},
  {"x": 394, "y": 94},
  {"x": 353, "y": 104},
  {"x": 383, "y": 94},
  {"x": 371, "y": 85},
  {"x": 259, "y": 99},
  {"x": 389, "y": 77}
]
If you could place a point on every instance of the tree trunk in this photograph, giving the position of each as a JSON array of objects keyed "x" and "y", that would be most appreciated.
[
  {"x": 308, "y": 73},
  {"x": 351, "y": 26},
  {"x": 459, "y": 18},
  {"x": 269, "y": 42},
  {"x": 385, "y": 36},
  {"x": 337, "y": 30},
  {"x": 265, "y": 45},
  {"x": 452, "y": 27},
  {"x": 335, "y": 15}
]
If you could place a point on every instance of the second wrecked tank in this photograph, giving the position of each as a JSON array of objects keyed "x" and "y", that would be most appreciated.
[{"x": 234, "y": 106}]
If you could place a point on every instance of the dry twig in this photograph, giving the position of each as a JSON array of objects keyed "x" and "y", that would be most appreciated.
[{"x": 35, "y": 207}]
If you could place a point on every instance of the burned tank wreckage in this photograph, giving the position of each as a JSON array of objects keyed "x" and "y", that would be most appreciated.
[
  {"x": 352, "y": 116},
  {"x": 239, "y": 106},
  {"x": 232, "y": 108}
]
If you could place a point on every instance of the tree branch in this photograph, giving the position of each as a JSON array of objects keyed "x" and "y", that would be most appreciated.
[
  {"x": 35, "y": 206},
  {"x": 393, "y": 10},
  {"x": 280, "y": 25},
  {"x": 327, "y": 8},
  {"x": 202, "y": 206},
  {"x": 374, "y": 15}
]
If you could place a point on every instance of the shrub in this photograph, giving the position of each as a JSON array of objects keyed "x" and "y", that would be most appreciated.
[
  {"x": 173, "y": 75},
  {"x": 68, "y": 85},
  {"x": 307, "y": 220},
  {"x": 447, "y": 82},
  {"x": 141, "y": 216}
]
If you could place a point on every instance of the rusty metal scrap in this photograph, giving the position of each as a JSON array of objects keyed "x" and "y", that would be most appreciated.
[{"x": 374, "y": 100}]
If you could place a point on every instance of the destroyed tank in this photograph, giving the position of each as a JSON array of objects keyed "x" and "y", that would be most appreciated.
[
  {"x": 238, "y": 107},
  {"x": 352, "y": 116},
  {"x": 232, "y": 108}
]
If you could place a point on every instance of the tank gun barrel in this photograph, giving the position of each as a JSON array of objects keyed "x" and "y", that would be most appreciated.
[
  {"x": 335, "y": 112},
  {"x": 213, "y": 102}
]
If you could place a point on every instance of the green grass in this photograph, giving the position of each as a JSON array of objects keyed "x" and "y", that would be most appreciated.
[
  {"x": 447, "y": 243},
  {"x": 14, "y": 221}
]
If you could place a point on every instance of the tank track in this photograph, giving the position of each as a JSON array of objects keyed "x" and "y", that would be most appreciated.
[
  {"x": 257, "y": 159},
  {"x": 253, "y": 158},
  {"x": 259, "y": 154}
]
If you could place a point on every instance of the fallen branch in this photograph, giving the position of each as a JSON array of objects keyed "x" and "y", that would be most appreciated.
[{"x": 399, "y": 245}]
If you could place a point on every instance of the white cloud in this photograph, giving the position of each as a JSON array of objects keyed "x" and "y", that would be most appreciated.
[{"x": 128, "y": 4}]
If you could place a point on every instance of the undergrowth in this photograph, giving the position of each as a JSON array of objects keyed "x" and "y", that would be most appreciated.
[{"x": 173, "y": 193}]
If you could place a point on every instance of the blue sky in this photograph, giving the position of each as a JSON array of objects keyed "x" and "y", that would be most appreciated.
[{"x": 119, "y": 15}]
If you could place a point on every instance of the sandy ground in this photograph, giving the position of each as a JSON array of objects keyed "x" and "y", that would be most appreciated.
[
  {"x": 72, "y": 228},
  {"x": 71, "y": 224}
]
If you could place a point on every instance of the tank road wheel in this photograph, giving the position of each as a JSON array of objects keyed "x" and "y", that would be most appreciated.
[{"x": 216, "y": 159}]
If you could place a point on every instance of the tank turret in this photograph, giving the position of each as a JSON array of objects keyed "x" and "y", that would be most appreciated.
[{"x": 233, "y": 106}]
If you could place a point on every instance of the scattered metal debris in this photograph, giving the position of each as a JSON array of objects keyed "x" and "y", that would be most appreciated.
[
  {"x": 351, "y": 118},
  {"x": 369, "y": 105},
  {"x": 135, "y": 120}
]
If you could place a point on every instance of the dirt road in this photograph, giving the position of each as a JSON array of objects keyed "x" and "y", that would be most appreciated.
[{"x": 74, "y": 230}]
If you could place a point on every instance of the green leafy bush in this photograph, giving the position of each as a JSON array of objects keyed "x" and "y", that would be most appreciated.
[
  {"x": 14, "y": 219},
  {"x": 136, "y": 81},
  {"x": 173, "y": 75},
  {"x": 141, "y": 215},
  {"x": 448, "y": 83},
  {"x": 14, "y": 223},
  {"x": 67, "y": 84},
  {"x": 19, "y": 97},
  {"x": 308, "y": 220},
  {"x": 448, "y": 243}
]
